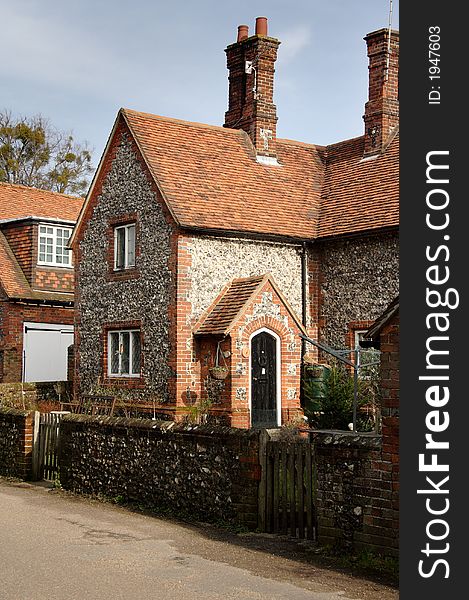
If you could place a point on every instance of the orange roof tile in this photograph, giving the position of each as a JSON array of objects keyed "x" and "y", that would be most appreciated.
[
  {"x": 228, "y": 304},
  {"x": 233, "y": 301},
  {"x": 18, "y": 201},
  {"x": 211, "y": 179},
  {"x": 12, "y": 278},
  {"x": 359, "y": 195}
]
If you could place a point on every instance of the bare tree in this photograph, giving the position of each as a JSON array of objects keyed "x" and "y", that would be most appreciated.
[{"x": 36, "y": 154}]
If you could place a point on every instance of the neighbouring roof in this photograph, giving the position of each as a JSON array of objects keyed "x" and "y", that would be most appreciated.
[
  {"x": 14, "y": 283},
  {"x": 233, "y": 301},
  {"x": 19, "y": 201}
]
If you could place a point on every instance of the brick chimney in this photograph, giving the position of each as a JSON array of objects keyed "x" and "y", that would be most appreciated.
[
  {"x": 382, "y": 109},
  {"x": 250, "y": 63}
]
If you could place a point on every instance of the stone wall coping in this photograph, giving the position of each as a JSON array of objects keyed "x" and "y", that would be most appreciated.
[
  {"x": 162, "y": 426},
  {"x": 331, "y": 437},
  {"x": 14, "y": 412}
]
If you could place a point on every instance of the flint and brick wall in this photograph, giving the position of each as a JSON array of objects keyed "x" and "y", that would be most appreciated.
[
  {"x": 358, "y": 474},
  {"x": 107, "y": 300},
  {"x": 34, "y": 396},
  {"x": 356, "y": 501},
  {"x": 16, "y": 442},
  {"x": 352, "y": 280},
  {"x": 210, "y": 473}
]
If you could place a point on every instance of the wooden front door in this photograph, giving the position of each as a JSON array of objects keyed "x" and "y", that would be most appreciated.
[{"x": 264, "y": 380}]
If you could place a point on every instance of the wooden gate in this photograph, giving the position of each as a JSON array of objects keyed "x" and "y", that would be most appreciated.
[
  {"x": 48, "y": 446},
  {"x": 286, "y": 503}
]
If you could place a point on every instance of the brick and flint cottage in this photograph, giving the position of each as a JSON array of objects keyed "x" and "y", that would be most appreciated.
[
  {"x": 36, "y": 283},
  {"x": 201, "y": 246}
]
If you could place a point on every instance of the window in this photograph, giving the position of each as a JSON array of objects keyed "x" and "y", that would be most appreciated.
[
  {"x": 124, "y": 352},
  {"x": 53, "y": 246},
  {"x": 124, "y": 247},
  {"x": 367, "y": 356}
]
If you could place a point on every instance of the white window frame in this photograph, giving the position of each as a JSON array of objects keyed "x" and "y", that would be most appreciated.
[
  {"x": 127, "y": 263},
  {"x": 53, "y": 236},
  {"x": 121, "y": 374}
]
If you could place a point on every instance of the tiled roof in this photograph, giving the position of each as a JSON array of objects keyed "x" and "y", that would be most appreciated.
[
  {"x": 227, "y": 305},
  {"x": 14, "y": 283},
  {"x": 232, "y": 303},
  {"x": 211, "y": 179},
  {"x": 12, "y": 278},
  {"x": 358, "y": 194},
  {"x": 18, "y": 201}
]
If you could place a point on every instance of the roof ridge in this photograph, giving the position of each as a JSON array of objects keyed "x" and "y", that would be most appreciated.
[{"x": 182, "y": 121}]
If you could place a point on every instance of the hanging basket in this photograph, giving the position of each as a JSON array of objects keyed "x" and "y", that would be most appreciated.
[{"x": 219, "y": 373}]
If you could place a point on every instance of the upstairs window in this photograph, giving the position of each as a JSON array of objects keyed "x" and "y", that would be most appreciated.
[
  {"x": 124, "y": 247},
  {"x": 53, "y": 246},
  {"x": 124, "y": 353}
]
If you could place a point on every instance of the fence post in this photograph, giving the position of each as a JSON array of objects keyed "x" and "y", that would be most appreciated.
[
  {"x": 35, "y": 450},
  {"x": 263, "y": 439}
]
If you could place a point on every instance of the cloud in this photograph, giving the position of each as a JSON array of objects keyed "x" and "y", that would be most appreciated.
[{"x": 294, "y": 40}]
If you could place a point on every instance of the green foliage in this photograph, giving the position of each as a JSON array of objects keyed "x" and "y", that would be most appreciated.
[
  {"x": 35, "y": 154},
  {"x": 329, "y": 400}
]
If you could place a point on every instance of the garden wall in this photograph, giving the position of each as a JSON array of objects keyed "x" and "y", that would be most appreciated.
[
  {"x": 34, "y": 396},
  {"x": 210, "y": 473},
  {"x": 357, "y": 499},
  {"x": 16, "y": 442}
]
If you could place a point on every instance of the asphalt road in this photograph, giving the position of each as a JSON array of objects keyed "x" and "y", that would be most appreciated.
[{"x": 55, "y": 546}]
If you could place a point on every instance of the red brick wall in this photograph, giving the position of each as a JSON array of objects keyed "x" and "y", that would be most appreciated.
[{"x": 13, "y": 317}]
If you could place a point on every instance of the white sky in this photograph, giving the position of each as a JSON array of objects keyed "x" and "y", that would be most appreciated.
[{"x": 78, "y": 62}]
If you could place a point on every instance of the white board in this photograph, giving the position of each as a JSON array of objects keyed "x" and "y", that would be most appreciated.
[{"x": 45, "y": 351}]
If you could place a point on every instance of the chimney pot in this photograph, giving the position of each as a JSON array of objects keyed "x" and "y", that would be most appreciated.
[
  {"x": 243, "y": 32},
  {"x": 261, "y": 26}
]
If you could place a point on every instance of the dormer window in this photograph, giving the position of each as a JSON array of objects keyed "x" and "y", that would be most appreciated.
[
  {"x": 52, "y": 247},
  {"x": 124, "y": 247}
]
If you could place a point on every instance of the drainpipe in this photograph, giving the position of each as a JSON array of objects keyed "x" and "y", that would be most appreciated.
[{"x": 304, "y": 308}]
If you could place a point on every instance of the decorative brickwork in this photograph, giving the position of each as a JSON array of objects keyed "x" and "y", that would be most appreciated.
[
  {"x": 382, "y": 109},
  {"x": 250, "y": 97}
]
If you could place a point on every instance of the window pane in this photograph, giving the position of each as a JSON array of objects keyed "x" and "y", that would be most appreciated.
[
  {"x": 120, "y": 248},
  {"x": 66, "y": 257},
  {"x": 135, "y": 352},
  {"x": 125, "y": 352},
  {"x": 131, "y": 246},
  {"x": 114, "y": 353}
]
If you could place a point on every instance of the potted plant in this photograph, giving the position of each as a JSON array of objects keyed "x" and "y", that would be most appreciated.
[{"x": 218, "y": 372}]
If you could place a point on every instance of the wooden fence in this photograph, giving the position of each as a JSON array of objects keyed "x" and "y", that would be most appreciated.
[
  {"x": 48, "y": 446},
  {"x": 286, "y": 504}
]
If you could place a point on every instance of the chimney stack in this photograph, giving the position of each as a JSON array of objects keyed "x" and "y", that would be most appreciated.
[
  {"x": 250, "y": 63},
  {"x": 382, "y": 109}
]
